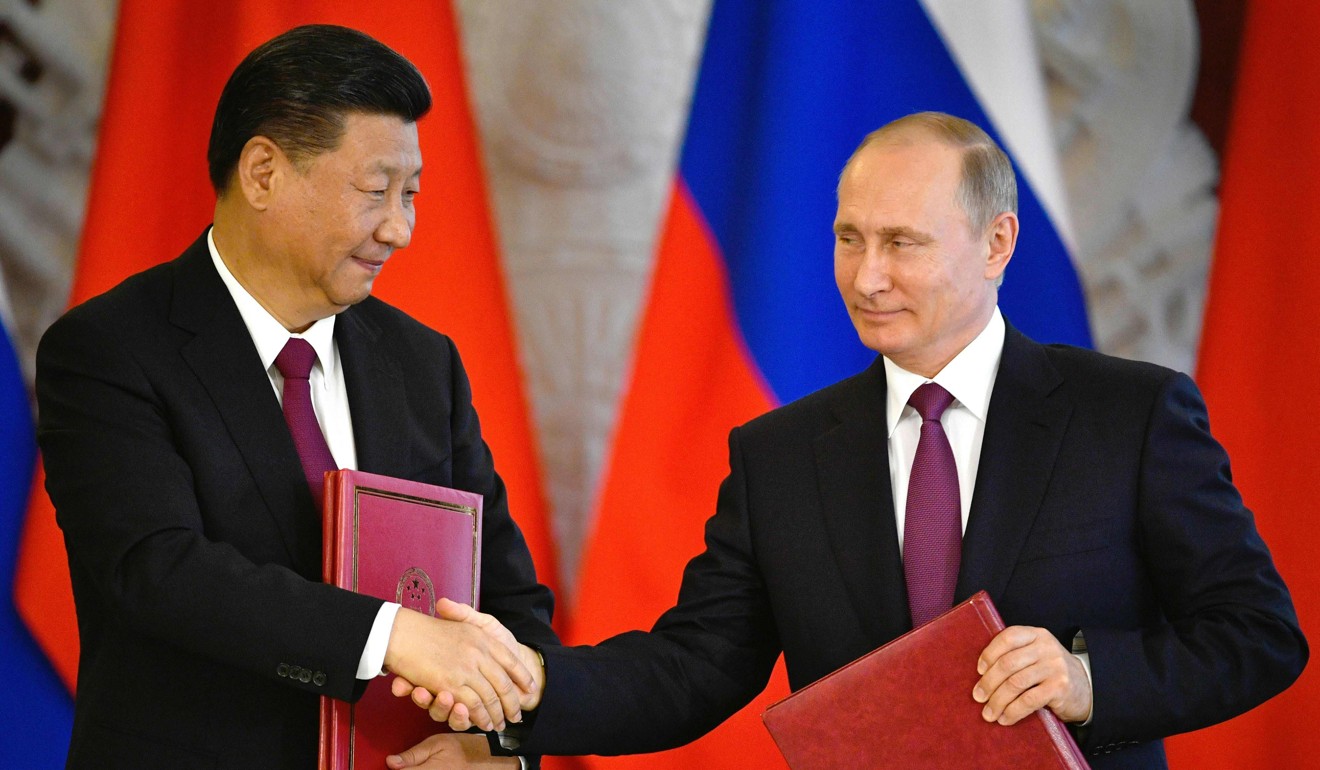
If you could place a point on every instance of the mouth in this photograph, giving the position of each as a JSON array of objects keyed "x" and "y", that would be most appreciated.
[
  {"x": 371, "y": 265},
  {"x": 876, "y": 314}
]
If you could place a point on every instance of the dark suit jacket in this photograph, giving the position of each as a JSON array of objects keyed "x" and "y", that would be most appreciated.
[
  {"x": 1102, "y": 503},
  {"x": 193, "y": 541}
]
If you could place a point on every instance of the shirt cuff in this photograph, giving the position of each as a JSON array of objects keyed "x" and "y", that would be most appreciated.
[
  {"x": 372, "y": 662},
  {"x": 1079, "y": 652}
]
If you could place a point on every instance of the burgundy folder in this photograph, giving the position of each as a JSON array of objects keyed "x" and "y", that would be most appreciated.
[
  {"x": 406, "y": 542},
  {"x": 909, "y": 705}
]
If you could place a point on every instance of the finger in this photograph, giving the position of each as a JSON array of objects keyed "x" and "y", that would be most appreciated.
[
  {"x": 1019, "y": 695},
  {"x": 423, "y": 698},
  {"x": 1011, "y": 654},
  {"x": 400, "y": 687},
  {"x": 475, "y": 696},
  {"x": 1005, "y": 641},
  {"x": 452, "y": 610},
  {"x": 499, "y": 696},
  {"x": 459, "y": 719},
  {"x": 512, "y": 667},
  {"x": 442, "y": 709},
  {"x": 507, "y": 694},
  {"x": 415, "y": 755}
]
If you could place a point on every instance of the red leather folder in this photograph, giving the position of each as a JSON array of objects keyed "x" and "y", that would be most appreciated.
[
  {"x": 909, "y": 705},
  {"x": 406, "y": 542}
]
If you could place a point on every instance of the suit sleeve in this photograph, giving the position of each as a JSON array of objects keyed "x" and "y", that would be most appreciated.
[
  {"x": 703, "y": 660},
  {"x": 138, "y": 544},
  {"x": 1226, "y": 637}
]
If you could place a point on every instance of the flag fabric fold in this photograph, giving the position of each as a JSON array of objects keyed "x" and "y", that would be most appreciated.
[
  {"x": 1258, "y": 361},
  {"x": 150, "y": 198},
  {"x": 743, "y": 313}
]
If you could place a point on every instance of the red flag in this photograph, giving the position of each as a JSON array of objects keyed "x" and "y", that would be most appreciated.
[
  {"x": 692, "y": 381},
  {"x": 1259, "y": 361},
  {"x": 150, "y": 197}
]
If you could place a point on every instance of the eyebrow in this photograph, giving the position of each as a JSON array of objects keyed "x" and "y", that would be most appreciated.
[
  {"x": 389, "y": 169},
  {"x": 887, "y": 232}
]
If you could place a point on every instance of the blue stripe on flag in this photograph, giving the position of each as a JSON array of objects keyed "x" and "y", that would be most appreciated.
[
  {"x": 35, "y": 710},
  {"x": 787, "y": 89}
]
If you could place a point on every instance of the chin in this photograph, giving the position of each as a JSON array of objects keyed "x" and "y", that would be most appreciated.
[
  {"x": 882, "y": 343},
  {"x": 353, "y": 296}
]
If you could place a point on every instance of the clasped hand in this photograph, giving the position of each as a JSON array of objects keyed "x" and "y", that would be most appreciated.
[
  {"x": 480, "y": 674},
  {"x": 501, "y": 677}
]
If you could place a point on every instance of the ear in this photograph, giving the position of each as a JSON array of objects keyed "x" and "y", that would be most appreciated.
[
  {"x": 258, "y": 166},
  {"x": 1001, "y": 238}
]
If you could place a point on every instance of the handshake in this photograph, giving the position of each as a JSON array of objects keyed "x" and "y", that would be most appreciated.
[{"x": 463, "y": 667}]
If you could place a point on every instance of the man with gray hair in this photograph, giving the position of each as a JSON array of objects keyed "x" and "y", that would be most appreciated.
[{"x": 1084, "y": 493}]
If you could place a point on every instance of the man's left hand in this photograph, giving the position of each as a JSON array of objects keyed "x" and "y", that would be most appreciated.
[
  {"x": 1024, "y": 669},
  {"x": 450, "y": 750}
]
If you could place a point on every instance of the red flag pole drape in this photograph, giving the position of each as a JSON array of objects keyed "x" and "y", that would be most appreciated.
[
  {"x": 150, "y": 198},
  {"x": 1259, "y": 360}
]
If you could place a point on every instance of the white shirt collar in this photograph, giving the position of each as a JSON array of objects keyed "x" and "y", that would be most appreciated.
[
  {"x": 970, "y": 376},
  {"x": 268, "y": 334}
]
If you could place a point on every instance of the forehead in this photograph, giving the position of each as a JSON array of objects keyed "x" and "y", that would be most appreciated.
[
  {"x": 385, "y": 143},
  {"x": 902, "y": 173},
  {"x": 909, "y": 158}
]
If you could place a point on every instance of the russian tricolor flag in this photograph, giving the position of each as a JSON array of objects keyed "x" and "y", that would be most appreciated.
[
  {"x": 743, "y": 313},
  {"x": 35, "y": 709}
]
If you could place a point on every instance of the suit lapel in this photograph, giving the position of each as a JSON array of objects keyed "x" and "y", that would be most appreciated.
[
  {"x": 374, "y": 380},
  {"x": 1025, "y": 424},
  {"x": 225, "y": 361},
  {"x": 852, "y": 459}
]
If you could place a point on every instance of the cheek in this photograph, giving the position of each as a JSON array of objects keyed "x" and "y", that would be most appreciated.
[{"x": 845, "y": 271}]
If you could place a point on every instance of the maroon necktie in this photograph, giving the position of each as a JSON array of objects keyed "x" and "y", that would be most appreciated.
[
  {"x": 932, "y": 528},
  {"x": 295, "y": 363}
]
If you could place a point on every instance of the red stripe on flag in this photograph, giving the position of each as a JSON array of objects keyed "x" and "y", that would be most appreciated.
[
  {"x": 150, "y": 198},
  {"x": 693, "y": 380},
  {"x": 1259, "y": 361}
]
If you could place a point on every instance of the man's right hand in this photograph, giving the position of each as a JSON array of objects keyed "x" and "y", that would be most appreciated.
[
  {"x": 470, "y": 666},
  {"x": 443, "y": 705}
]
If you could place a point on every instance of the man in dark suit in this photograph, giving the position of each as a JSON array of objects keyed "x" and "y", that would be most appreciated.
[
  {"x": 1084, "y": 493},
  {"x": 188, "y": 506}
]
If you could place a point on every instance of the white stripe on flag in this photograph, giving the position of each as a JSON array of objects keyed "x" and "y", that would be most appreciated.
[{"x": 994, "y": 46}]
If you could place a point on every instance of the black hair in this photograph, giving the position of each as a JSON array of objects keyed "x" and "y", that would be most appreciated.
[{"x": 296, "y": 89}]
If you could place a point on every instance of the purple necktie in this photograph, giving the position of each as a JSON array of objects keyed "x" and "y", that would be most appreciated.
[
  {"x": 932, "y": 528},
  {"x": 295, "y": 363}
]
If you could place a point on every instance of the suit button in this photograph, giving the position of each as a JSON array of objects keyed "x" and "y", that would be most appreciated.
[
  {"x": 283, "y": 669},
  {"x": 304, "y": 676},
  {"x": 318, "y": 679}
]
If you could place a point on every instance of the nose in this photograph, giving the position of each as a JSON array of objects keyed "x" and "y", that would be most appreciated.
[
  {"x": 395, "y": 230},
  {"x": 873, "y": 272}
]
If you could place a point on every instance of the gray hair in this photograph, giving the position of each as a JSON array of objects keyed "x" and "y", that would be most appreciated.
[{"x": 988, "y": 187}]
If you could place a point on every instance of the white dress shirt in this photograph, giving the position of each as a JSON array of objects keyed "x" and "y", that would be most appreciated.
[
  {"x": 970, "y": 379},
  {"x": 329, "y": 401}
]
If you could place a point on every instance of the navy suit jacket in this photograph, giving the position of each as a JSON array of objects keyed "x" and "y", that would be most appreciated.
[
  {"x": 1102, "y": 504},
  {"x": 193, "y": 541}
]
